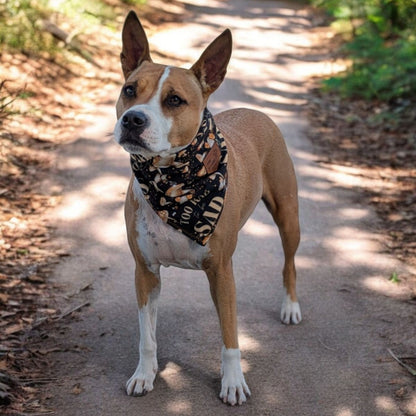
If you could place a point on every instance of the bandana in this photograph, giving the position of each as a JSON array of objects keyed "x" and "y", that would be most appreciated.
[{"x": 187, "y": 189}]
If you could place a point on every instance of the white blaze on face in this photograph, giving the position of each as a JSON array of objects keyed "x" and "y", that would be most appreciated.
[{"x": 155, "y": 136}]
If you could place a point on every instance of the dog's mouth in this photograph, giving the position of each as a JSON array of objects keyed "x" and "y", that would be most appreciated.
[
  {"x": 133, "y": 145},
  {"x": 138, "y": 135},
  {"x": 139, "y": 146}
]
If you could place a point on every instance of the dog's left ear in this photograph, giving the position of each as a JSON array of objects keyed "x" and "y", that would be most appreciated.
[
  {"x": 135, "y": 45},
  {"x": 211, "y": 67}
]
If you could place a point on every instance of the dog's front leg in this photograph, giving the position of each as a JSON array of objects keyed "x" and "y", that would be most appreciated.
[
  {"x": 141, "y": 381},
  {"x": 233, "y": 385}
]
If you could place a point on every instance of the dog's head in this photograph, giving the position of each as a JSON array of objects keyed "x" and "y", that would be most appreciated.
[{"x": 160, "y": 107}]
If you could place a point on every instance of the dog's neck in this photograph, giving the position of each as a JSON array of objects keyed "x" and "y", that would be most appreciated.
[{"x": 187, "y": 189}]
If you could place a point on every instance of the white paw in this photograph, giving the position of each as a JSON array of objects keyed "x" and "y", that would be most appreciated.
[
  {"x": 290, "y": 312},
  {"x": 234, "y": 389},
  {"x": 141, "y": 382}
]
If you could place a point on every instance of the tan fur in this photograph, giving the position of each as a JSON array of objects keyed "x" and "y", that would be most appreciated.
[
  {"x": 146, "y": 77},
  {"x": 145, "y": 280},
  {"x": 259, "y": 167}
]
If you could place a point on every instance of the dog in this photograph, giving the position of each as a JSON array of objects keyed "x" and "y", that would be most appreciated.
[{"x": 195, "y": 181}]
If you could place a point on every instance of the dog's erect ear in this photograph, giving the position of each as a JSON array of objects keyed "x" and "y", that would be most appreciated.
[
  {"x": 135, "y": 45},
  {"x": 211, "y": 67}
]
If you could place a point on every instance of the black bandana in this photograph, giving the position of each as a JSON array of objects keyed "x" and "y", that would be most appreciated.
[{"x": 187, "y": 189}]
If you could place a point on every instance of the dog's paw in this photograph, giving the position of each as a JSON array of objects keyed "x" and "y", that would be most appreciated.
[
  {"x": 141, "y": 382},
  {"x": 290, "y": 312},
  {"x": 234, "y": 389}
]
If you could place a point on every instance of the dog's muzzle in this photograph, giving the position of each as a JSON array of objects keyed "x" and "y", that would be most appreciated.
[
  {"x": 134, "y": 122},
  {"x": 132, "y": 125}
]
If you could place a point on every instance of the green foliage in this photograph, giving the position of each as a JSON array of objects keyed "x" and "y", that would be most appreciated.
[
  {"x": 85, "y": 13},
  {"x": 394, "y": 278},
  {"x": 378, "y": 71},
  {"x": 134, "y": 2},
  {"x": 382, "y": 48},
  {"x": 19, "y": 21}
]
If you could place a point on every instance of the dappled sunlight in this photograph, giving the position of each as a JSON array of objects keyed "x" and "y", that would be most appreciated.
[
  {"x": 75, "y": 162},
  {"x": 355, "y": 246},
  {"x": 327, "y": 67},
  {"x": 101, "y": 190},
  {"x": 411, "y": 404},
  {"x": 316, "y": 196},
  {"x": 247, "y": 343},
  {"x": 346, "y": 176},
  {"x": 354, "y": 213},
  {"x": 172, "y": 375},
  {"x": 319, "y": 68},
  {"x": 306, "y": 262},
  {"x": 259, "y": 229},
  {"x": 110, "y": 231},
  {"x": 314, "y": 171},
  {"x": 73, "y": 208},
  {"x": 180, "y": 407},
  {"x": 245, "y": 365},
  {"x": 383, "y": 286},
  {"x": 351, "y": 177},
  {"x": 107, "y": 188},
  {"x": 386, "y": 405},
  {"x": 255, "y": 65},
  {"x": 344, "y": 412},
  {"x": 277, "y": 97},
  {"x": 100, "y": 125}
]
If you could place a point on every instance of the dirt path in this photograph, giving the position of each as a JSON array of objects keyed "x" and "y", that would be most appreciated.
[{"x": 335, "y": 363}]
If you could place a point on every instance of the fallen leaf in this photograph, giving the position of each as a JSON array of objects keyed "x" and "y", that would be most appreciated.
[
  {"x": 12, "y": 329},
  {"x": 400, "y": 393},
  {"x": 48, "y": 351},
  {"x": 77, "y": 389},
  {"x": 34, "y": 278}
]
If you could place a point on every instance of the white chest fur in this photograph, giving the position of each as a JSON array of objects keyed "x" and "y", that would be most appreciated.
[{"x": 161, "y": 244}]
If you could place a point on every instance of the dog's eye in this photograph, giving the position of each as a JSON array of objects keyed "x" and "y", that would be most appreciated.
[
  {"x": 174, "y": 101},
  {"x": 129, "y": 91}
]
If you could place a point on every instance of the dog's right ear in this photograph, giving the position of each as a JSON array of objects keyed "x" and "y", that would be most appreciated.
[{"x": 135, "y": 45}]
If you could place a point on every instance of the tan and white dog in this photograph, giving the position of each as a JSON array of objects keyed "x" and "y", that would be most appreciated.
[{"x": 160, "y": 111}]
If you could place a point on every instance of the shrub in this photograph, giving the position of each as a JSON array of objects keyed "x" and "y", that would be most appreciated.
[
  {"x": 382, "y": 48},
  {"x": 379, "y": 70}
]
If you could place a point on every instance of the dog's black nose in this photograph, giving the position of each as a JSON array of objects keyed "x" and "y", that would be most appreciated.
[{"x": 134, "y": 120}]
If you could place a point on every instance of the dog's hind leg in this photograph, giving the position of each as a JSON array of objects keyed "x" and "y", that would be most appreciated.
[{"x": 283, "y": 205}]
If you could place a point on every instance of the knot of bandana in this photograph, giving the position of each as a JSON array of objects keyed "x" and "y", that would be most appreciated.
[{"x": 187, "y": 189}]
